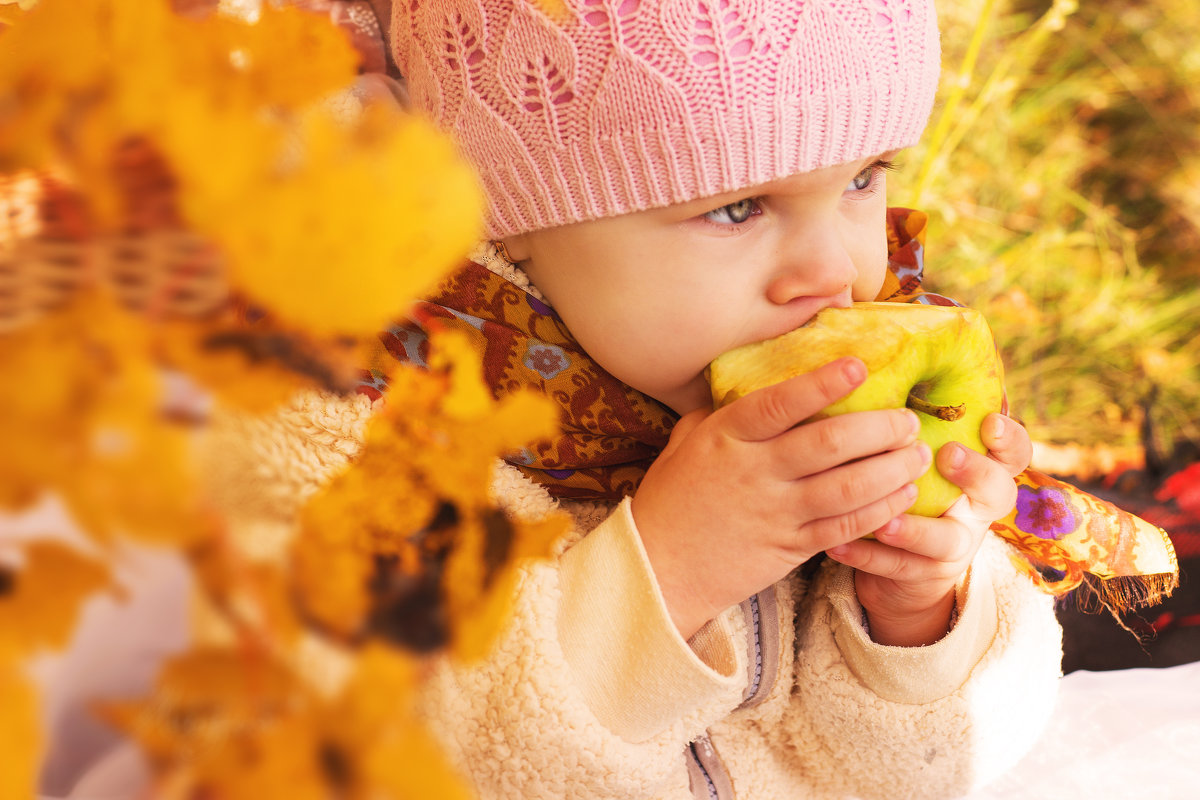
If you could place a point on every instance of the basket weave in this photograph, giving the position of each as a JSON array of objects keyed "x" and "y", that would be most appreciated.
[{"x": 51, "y": 247}]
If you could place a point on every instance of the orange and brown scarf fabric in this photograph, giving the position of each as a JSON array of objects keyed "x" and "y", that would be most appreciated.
[{"x": 611, "y": 432}]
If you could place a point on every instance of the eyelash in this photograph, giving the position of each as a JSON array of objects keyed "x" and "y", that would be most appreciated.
[
  {"x": 878, "y": 166},
  {"x": 875, "y": 168}
]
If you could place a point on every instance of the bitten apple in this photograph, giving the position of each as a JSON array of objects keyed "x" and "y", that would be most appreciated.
[{"x": 939, "y": 361}]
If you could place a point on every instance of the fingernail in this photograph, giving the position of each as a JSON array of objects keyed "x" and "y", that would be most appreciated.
[
  {"x": 838, "y": 551},
  {"x": 914, "y": 424},
  {"x": 926, "y": 454},
  {"x": 995, "y": 426},
  {"x": 956, "y": 456},
  {"x": 888, "y": 529},
  {"x": 854, "y": 371}
]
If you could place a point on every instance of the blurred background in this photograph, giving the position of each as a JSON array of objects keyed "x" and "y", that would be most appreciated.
[{"x": 1061, "y": 171}]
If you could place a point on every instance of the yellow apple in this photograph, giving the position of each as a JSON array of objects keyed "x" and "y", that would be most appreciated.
[{"x": 939, "y": 361}]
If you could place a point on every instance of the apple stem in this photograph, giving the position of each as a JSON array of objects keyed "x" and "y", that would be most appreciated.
[{"x": 947, "y": 413}]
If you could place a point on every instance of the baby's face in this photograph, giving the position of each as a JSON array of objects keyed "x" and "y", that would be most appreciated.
[{"x": 654, "y": 296}]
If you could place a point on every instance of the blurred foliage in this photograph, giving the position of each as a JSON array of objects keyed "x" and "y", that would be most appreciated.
[
  {"x": 183, "y": 202},
  {"x": 1062, "y": 174}
]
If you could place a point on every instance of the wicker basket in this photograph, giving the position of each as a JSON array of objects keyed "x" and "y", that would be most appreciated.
[{"x": 50, "y": 247}]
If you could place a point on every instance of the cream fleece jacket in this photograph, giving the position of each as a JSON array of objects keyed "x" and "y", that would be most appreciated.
[{"x": 591, "y": 692}]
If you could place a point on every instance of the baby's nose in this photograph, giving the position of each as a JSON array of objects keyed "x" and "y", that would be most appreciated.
[{"x": 817, "y": 266}]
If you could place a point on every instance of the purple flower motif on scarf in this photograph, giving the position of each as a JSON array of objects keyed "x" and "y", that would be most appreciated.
[
  {"x": 1044, "y": 512},
  {"x": 546, "y": 360}
]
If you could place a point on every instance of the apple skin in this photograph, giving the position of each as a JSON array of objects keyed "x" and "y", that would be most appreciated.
[{"x": 943, "y": 354}]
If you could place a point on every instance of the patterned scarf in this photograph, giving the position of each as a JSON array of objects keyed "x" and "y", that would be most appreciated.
[{"x": 611, "y": 432}]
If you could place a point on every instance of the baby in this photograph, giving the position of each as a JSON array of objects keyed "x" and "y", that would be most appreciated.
[{"x": 667, "y": 181}]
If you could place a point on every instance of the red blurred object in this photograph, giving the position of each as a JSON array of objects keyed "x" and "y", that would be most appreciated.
[
  {"x": 1168, "y": 620},
  {"x": 1184, "y": 488}
]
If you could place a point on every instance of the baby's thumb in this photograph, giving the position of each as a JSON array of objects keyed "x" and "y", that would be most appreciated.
[{"x": 1007, "y": 442}]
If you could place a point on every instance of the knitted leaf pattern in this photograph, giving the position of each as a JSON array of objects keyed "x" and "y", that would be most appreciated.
[
  {"x": 613, "y": 106},
  {"x": 719, "y": 34},
  {"x": 461, "y": 51},
  {"x": 537, "y": 67}
]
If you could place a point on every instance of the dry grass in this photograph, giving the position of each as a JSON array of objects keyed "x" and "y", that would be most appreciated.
[{"x": 1062, "y": 171}]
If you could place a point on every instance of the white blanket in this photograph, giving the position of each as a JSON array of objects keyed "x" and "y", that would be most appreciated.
[{"x": 1121, "y": 734}]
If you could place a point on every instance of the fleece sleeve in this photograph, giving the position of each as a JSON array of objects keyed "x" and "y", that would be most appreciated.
[
  {"x": 882, "y": 722},
  {"x": 590, "y": 691}
]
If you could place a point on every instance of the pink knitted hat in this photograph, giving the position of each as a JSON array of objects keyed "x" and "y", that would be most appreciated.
[{"x": 623, "y": 105}]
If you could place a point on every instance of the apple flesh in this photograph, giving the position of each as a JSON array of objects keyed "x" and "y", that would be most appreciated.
[{"x": 939, "y": 361}]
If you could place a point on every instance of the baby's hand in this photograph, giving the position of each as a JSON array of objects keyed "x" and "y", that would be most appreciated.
[
  {"x": 743, "y": 495},
  {"x": 905, "y": 579}
]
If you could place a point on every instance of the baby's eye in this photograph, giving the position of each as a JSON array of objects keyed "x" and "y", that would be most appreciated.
[
  {"x": 864, "y": 179},
  {"x": 735, "y": 213}
]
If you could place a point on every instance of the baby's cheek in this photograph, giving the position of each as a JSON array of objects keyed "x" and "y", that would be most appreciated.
[
  {"x": 869, "y": 282},
  {"x": 869, "y": 252}
]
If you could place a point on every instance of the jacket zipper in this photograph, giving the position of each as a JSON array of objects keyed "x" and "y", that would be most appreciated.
[
  {"x": 709, "y": 778},
  {"x": 711, "y": 787}
]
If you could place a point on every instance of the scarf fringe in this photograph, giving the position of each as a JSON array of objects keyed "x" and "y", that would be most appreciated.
[
  {"x": 1120, "y": 595},
  {"x": 1123, "y": 593},
  {"x": 1091, "y": 594}
]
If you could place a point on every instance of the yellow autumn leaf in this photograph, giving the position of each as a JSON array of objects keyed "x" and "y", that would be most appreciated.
[
  {"x": 467, "y": 396},
  {"x": 45, "y": 373},
  {"x": 41, "y": 599},
  {"x": 20, "y": 733},
  {"x": 80, "y": 415},
  {"x": 256, "y": 366},
  {"x": 448, "y": 430},
  {"x": 206, "y": 695},
  {"x": 359, "y": 220},
  {"x": 226, "y": 723},
  {"x": 253, "y": 598},
  {"x": 331, "y": 221},
  {"x": 330, "y": 578},
  {"x": 374, "y": 721},
  {"x": 235, "y": 725},
  {"x": 57, "y": 84},
  {"x": 55, "y": 48},
  {"x": 281, "y": 758},
  {"x": 480, "y": 578},
  {"x": 406, "y": 544},
  {"x": 135, "y": 476},
  {"x": 450, "y": 426},
  {"x": 249, "y": 56}
]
